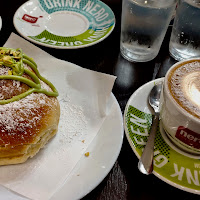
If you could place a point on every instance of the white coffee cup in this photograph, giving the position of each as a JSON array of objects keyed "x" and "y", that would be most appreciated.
[{"x": 180, "y": 105}]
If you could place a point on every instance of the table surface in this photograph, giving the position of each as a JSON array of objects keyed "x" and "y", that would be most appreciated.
[{"x": 124, "y": 181}]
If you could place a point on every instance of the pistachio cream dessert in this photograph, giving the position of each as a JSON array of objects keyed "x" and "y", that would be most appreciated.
[{"x": 29, "y": 109}]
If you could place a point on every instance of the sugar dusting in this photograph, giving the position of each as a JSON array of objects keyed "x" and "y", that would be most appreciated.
[
  {"x": 19, "y": 117},
  {"x": 73, "y": 121},
  {"x": 72, "y": 131}
]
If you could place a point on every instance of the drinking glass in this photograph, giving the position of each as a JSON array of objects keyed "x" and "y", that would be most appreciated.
[
  {"x": 143, "y": 27},
  {"x": 185, "y": 37}
]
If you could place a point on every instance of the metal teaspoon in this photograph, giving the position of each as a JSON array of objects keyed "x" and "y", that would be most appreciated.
[{"x": 145, "y": 164}]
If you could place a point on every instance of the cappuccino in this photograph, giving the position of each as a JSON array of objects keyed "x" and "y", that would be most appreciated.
[
  {"x": 184, "y": 86},
  {"x": 180, "y": 105}
]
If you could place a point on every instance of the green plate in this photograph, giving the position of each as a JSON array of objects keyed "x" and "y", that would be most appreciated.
[
  {"x": 171, "y": 165},
  {"x": 64, "y": 24}
]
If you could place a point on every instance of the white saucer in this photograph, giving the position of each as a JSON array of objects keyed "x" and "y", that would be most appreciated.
[
  {"x": 171, "y": 165},
  {"x": 64, "y": 24},
  {"x": 104, "y": 148}
]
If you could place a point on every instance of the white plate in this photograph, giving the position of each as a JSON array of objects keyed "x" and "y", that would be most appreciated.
[
  {"x": 171, "y": 165},
  {"x": 0, "y": 23},
  {"x": 69, "y": 25},
  {"x": 90, "y": 171}
]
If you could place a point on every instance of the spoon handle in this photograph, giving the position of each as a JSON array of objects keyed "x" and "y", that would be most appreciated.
[{"x": 145, "y": 164}]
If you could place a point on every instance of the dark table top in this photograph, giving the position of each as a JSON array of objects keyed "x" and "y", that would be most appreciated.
[{"x": 124, "y": 181}]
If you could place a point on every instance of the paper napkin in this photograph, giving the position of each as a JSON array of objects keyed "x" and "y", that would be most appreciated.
[{"x": 82, "y": 95}]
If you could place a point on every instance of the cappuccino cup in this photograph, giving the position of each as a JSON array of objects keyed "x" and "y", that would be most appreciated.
[{"x": 180, "y": 105}]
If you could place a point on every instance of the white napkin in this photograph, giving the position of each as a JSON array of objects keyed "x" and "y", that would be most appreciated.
[{"x": 82, "y": 95}]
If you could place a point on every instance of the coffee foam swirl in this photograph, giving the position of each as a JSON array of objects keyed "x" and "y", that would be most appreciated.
[
  {"x": 191, "y": 88},
  {"x": 184, "y": 84}
]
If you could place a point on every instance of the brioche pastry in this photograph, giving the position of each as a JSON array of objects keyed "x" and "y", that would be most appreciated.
[{"x": 29, "y": 109}]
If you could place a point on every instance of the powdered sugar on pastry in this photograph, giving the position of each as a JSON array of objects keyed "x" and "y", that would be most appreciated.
[{"x": 26, "y": 124}]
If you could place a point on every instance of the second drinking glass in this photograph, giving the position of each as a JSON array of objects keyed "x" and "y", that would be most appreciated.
[{"x": 185, "y": 37}]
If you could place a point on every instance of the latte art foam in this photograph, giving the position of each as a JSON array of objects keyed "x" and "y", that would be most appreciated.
[{"x": 184, "y": 85}]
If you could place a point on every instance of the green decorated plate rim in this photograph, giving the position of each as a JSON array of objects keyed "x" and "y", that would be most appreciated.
[
  {"x": 37, "y": 41},
  {"x": 129, "y": 104}
]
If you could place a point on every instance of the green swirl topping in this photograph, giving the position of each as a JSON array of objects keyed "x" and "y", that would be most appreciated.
[{"x": 14, "y": 59}]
